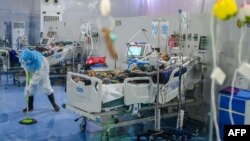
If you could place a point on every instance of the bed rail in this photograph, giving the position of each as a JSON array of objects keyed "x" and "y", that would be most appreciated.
[
  {"x": 85, "y": 97},
  {"x": 139, "y": 92},
  {"x": 60, "y": 55}
]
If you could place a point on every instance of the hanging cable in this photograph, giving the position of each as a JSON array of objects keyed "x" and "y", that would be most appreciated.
[
  {"x": 213, "y": 110},
  {"x": 92, "y": 46},
  {"x": 242, "y": 36}
]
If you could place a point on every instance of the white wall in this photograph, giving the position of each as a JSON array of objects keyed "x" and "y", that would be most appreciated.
[
  {"x": 76, "y": 12},
  {"x": 128, "y": 8},
  {"x": 130, "y": 25}
]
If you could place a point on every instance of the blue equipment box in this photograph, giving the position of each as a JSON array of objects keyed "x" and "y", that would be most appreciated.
[{"x": 240, "y": 108}]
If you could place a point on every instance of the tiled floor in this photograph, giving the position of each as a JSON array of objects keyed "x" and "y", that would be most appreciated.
[{"x": 51, "y": 126}]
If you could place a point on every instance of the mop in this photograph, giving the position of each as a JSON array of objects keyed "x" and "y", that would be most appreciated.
[{"x": 27, "y": 120}]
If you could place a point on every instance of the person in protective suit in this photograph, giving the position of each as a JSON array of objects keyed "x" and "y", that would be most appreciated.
[{"x": 35, "y": 64}]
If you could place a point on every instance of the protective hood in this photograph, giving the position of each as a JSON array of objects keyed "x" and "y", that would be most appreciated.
[{"x": 31, "y": 60}]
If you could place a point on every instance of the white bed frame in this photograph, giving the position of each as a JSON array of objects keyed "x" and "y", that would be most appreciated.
[
  {"x": 88, "y": 97},
  {"x": 61, "y": 54}
]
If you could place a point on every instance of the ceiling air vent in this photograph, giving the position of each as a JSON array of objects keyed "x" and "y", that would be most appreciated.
[
  {"x": 50, "y": 18},
  {"x": 18, "y": 25}
]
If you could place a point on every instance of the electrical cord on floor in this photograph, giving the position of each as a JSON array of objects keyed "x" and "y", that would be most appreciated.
[
  {"x": 151, "y": 136},
  {"x": 78, "y": 118}
]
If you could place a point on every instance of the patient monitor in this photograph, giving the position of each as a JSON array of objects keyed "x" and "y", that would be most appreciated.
[
  {"x": 138, "y": 50},
  {"x": 47, "y": 41}
]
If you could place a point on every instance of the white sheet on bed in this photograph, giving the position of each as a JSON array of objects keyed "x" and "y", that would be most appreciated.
[{"x": 112, "y": 92}]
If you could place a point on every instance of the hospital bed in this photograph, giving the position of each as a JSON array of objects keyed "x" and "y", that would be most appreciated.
[
  {"x": 135, "y": 96},
  {"x": 5, "y": 59},
  {"x": 10, "y": 67},
  {"x": 63, "y": 58},
  {"x": 61, "y": 54}
]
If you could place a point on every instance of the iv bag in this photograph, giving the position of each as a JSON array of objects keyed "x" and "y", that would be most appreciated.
[
  {"x": 154, "y": 29},
  {"x": 164, "y": 29},
  {"x": 185, "y": 20}
]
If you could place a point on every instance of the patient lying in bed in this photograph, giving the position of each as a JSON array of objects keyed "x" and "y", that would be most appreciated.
[
  {"x": 145, "y": 70},
  {"x": 109, "y": 77},
  {"x": 118, "y": 76}
]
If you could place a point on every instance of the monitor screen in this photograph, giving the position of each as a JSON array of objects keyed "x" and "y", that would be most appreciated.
[
  {"x": 45, "y": 41},
  {"x": 135, "y": 51},
  {"x": 203, "y": 43}
]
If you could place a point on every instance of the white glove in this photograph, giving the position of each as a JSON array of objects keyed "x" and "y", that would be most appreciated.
[{"x": 28, "y": 90}]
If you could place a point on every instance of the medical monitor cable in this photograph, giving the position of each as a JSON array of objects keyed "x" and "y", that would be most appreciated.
[
  {"x": 92, "y": 44},
  {"x": 184, "y": 91},
  {"x": 213, "y": 111},
  {"x": 242, "y": 36},
  {"x": 87, "y": 35},
  {"x": 92, "y": 47}
]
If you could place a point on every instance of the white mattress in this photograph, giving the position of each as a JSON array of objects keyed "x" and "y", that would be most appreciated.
[{"x": 112, "y": 92}]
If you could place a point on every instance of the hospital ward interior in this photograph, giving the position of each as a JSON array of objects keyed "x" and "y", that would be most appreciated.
[{"x": 124, "y": 70}]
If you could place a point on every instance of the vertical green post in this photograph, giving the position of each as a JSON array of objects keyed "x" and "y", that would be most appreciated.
[{"x": 28, "y": 75}]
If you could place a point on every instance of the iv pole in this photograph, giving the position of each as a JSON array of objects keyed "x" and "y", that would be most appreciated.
[
  {"x": 157, "y": 109},
  {"x": 157, "y": 132}
]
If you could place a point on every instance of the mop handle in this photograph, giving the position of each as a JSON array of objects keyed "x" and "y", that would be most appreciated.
[
  {"x": 27, "y": 96},
  {"x": 28, "y": 78},
  {"x": 28, "y": 75}
]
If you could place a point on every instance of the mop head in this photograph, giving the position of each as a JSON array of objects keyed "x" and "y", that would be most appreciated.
[{"x": 28, "y": 121}]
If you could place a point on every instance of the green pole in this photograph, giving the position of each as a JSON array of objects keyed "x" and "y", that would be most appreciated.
[{"x": 27, "y": 120}]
